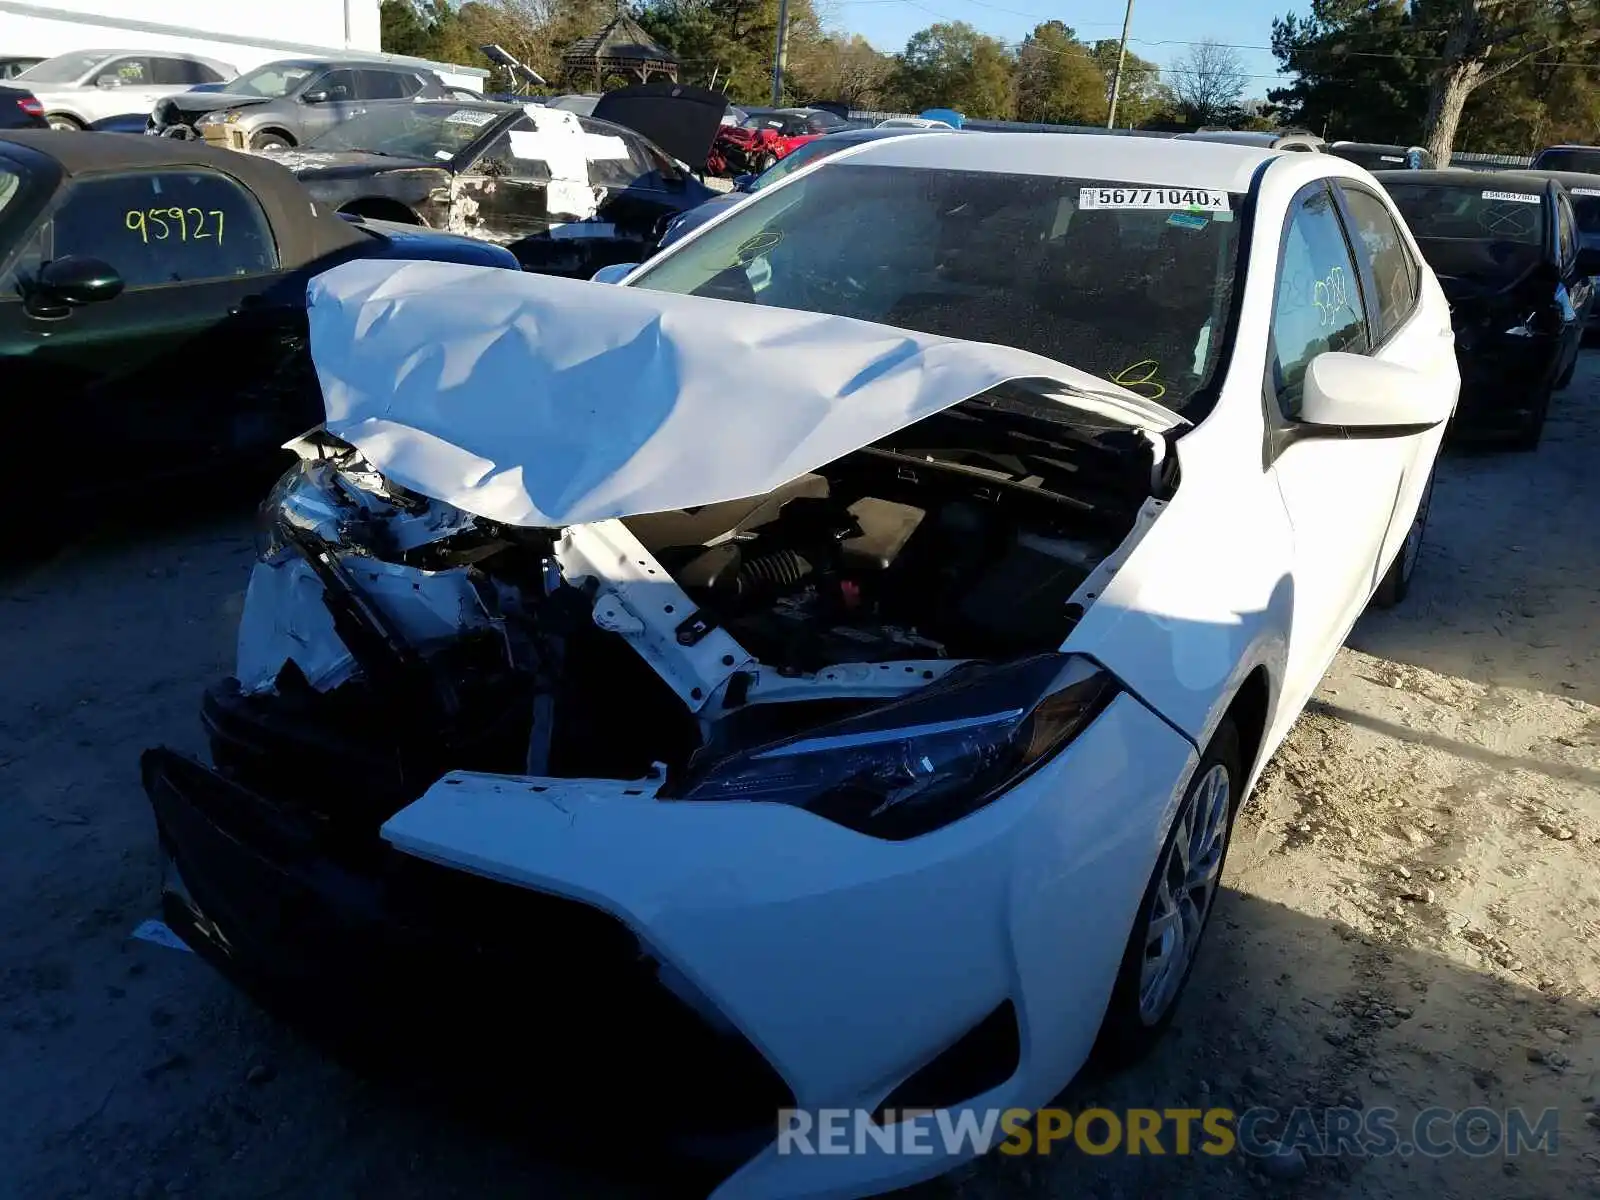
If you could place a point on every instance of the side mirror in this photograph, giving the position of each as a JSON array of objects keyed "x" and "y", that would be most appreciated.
[
  {"x": 742, "y": 183},
  {"x": 1589, "y": 260},
  {"x": 320, "y": 96},
  {"x": 615, "y": 273},
  {"x": 1352, "y": 391},
  {"x": 76, "y": 280},
  {"x": 108, "y": 82}
]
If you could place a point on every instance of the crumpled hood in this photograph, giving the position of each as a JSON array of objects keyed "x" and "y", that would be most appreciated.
[
  {"x": 539, "y": 401},
  {"x": 314, "y": 165},
  {"x": 190, "y": 106}
]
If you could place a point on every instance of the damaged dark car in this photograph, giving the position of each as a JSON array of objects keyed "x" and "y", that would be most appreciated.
[
  {"x": 564, "y": 193},
  {"x": 1507, "y": 250},
  {"x": 153, "y": 302}
]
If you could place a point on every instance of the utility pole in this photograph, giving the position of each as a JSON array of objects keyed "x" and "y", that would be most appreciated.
[
  {"x": 1116, "y": 77},
  {"x": 779, "y": 53}
]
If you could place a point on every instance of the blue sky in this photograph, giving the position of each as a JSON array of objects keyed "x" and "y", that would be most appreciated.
[{"x": 1158, "y": 25}]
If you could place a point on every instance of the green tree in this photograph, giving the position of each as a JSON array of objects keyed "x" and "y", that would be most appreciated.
[
  {"x": 1058, "y": 79},
  {"x": 841, "y": 67},
  {"x": 730, "y": 43},
  {"x": 402, "y": 29},
  {"x": 952, "y": 65},
  {"x": 1360, "y": 70},
  {"x": 1485, "y": 40}
]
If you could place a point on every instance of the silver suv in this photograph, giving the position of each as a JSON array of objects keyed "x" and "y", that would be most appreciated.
[{"x": 289, "y": 102}]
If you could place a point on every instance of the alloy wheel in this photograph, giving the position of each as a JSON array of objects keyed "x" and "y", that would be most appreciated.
[{"x": 1186, "y": 889}]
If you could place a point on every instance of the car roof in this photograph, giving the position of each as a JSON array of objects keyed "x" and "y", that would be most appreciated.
[
  {"x": 842, "y": 137},
  {"x": 1571, "y": 179},
  {"x": 1500, "y": 181},
  {"x": 1568, "y": 146},
  {"x": 1163, "y": 162},
  {"x": 1349, "y": 145},
  {"x": 303, "y": 231}
]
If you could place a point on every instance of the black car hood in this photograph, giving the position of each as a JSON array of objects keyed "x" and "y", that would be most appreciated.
[
  {"x": 190, "y": 105},
  {"x": 680, "y": 119}
]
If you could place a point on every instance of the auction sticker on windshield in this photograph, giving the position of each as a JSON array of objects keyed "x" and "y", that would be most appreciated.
[
  {"x": 467, "y": 116},
  {"x": 1513, "y": 197},
  {"x": 1168, "y": 199},
  {"x": 1585, "y": 191}
]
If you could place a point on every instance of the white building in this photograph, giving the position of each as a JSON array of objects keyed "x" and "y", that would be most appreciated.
[{"x": 244, "y": 33}]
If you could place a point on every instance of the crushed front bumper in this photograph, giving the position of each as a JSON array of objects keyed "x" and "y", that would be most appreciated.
[
  {"x": 471, "y": 982},
  {"x": 717, "y": 962}
]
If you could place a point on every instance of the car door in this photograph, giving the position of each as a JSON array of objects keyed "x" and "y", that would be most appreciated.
[
  {"x": 170, "y": 372},
  {"x": 500, "y": 193},
  {"x": 1410, "y": 324},
  {"x": 1343, "y": 495},
  {"x": 338, "y": 98},
  {"x": 141, "y": 82},
  {"x": 1579, "y": 288}
]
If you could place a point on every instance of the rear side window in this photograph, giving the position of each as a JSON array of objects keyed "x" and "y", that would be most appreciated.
[
  {"x": 1584, "y": 159},
  {"x": 388, "y": 85},
  {"x": 1379, "y": 244},
  {"x": 178, "y": 72},
  {"x": 161, "y": 228},
  {"x": 615, "y": 160},
  {"x": 1319, "y": 306}
]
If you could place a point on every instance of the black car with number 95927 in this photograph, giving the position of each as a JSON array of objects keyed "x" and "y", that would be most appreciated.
[{"x": 152, "y": 304}]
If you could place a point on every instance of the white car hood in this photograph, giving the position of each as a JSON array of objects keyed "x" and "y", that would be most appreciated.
[{"x": 537, "y": 401}]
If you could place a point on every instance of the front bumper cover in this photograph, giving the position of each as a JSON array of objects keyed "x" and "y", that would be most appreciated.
[{"x": 814, "y": 966}]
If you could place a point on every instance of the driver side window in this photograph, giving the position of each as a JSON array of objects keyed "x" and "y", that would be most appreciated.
[{"x": 1319, "y": 304}]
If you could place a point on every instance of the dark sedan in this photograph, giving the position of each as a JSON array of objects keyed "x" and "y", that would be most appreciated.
[
  {"x": 152, "y": 304},
  {"x": 566, "y": 194},
  {"x": 1584, "y": 191},
  {"x": 1505, "y": 248}
]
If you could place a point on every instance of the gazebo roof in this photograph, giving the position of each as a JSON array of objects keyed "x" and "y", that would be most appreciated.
[{"x": 621, "y": 41}]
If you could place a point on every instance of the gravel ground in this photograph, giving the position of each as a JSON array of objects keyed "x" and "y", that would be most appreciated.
[{"x": 1410, "y": 917}]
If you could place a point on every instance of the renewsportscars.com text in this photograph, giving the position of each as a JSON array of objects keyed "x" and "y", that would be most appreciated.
[{"x": 1369, "y": 1132}]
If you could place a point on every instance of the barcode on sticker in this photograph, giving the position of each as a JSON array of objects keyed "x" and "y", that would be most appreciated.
[
  {"x": 1512, "y": 197},
  {"x": 468, "y": 116},
  {"x": 1586, "y": 191},
  {"x": 1169, "y": 198}
]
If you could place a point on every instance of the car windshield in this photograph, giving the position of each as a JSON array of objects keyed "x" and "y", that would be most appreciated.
[
  {"x": 763, "y": 120},
  {"x": 271, "y": 81},
  {"x": 1136, "y": 295},
  {"x": 63, "y": 68},
  {"x": 1475, "y": 212},
  {"x": 407, "y": 131},
  {"x": 1583, "y": 159}
]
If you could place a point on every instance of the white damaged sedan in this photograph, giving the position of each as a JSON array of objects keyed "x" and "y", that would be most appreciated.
[{"x": 821, "y": 672}]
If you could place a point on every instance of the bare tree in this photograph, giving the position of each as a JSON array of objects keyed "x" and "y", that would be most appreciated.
[
  {"x": 1489, "y": 38},
  {"x": 1207, "y": 82}
]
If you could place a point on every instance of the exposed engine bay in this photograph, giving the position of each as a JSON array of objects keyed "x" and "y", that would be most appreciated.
[{"x": 392, "y": 634}]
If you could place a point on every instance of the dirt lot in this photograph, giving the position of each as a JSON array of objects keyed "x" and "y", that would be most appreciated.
[{"x": 1411, "y": 918}]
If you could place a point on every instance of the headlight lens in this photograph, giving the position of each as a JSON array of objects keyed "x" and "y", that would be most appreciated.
[{"x": 917, "y": 765}]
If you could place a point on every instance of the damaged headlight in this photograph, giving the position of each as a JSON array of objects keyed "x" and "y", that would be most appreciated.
[
  {"x": 301, "y": 500},
  {"x": 916, "y": 765}
]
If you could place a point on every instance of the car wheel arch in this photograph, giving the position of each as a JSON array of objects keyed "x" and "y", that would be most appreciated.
[
  {"x": 274, "y": 131},
  {"x": 381, "y": 208},
  {"x": 1249, "y": 709}
]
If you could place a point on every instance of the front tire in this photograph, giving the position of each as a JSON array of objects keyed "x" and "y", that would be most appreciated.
[
  {"x": 765, "y": 162},
  {"x": 1176, "y": 907},
  {"x": 269, "y": 141},
  {"x": 63, "y": 123}
]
